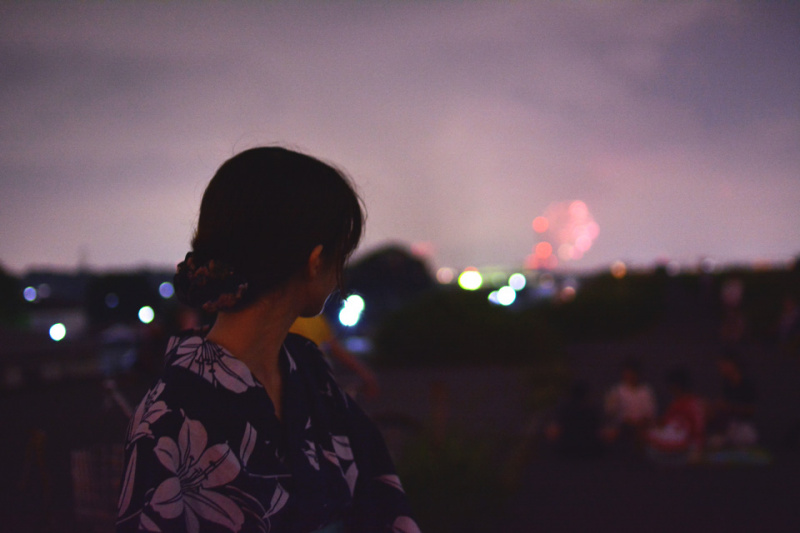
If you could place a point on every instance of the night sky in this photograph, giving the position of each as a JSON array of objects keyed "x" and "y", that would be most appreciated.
[{"x": 677, "y": 125}]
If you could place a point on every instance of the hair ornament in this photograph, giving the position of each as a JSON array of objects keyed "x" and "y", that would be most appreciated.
[{"x": 210, "y": 285}]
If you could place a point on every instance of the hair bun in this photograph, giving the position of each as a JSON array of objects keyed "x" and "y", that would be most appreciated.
[{"x": 208, "y": 285}]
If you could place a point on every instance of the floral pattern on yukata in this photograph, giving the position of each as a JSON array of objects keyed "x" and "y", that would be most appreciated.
[
  {"x": 214, "y": 364},
  {"x": 198, "y": 473},
  {"x": 206, "y": 452}
]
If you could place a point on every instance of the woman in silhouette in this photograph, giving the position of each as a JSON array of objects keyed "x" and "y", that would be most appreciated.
[{"x": 246, "y": 430}]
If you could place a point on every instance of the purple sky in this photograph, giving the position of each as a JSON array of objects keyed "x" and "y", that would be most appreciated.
[{"x": 678, "y": 124}]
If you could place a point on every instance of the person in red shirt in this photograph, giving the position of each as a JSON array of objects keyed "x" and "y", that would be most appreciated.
[{"x": 680, "y": 435}]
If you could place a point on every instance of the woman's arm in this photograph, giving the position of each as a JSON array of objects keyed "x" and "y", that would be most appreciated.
[{"x": 379, "y": 500}]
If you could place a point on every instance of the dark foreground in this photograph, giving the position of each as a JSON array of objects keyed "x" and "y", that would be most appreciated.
[
  {"x": 608, "y": 496},
  {"x": 616, "y": 494},
  {"x": 43, "y": 424}
]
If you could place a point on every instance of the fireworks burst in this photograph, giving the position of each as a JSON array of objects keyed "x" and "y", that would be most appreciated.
[{"x": 566, "y": 232}]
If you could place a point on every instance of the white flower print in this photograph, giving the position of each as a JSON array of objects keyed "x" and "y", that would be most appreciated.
[
  {"x": 146, "y": 523},
  {"x": 172, "y": 343},
  {"x": 292, "y": 364},
  {"x": 310, "y": 449},
  {"x": 248, "y": 443},
  {"x": 279, "y": 499},
  {"x": 127, "y": 485},
  {"x": 342, "y": 455},
  {"x": 311, "y": 454},
  {"x": 198, "y": 471},
  {"x": 214, "y": 364},
  {"x": 341, "y": 445},
  {"x": 148, "y": 411}
]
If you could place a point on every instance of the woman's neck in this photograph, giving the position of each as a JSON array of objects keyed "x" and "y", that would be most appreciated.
[{"x": 255, "y": 336}]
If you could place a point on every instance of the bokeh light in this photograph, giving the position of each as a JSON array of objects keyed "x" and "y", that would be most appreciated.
[
  {"x": 166, "y": 290},
  {"x": 29, "y": 293},
  {"x": 568, "y": 228},
  {"x": 351, "y": 310},
  {"x": 58, "y": 331},
  {"x": 355, "y": 302},
  {"x": 517, "y": 281},
  {"x": 566, "y": 252},
  {"x": 583, "y": 243},
  {"x": 423, "y": 249},
  {"x": 673, "y": 268},
  {"x": 506, "y": 295},
  {"x": 540, "y": 224},
  {"x": 112, "y": 300},
  {"x": 543, "y": 250},
  {"x": 445, "y": 275},
  {"x": 619, "y": 269},
  {"x": 578, "y": 209},
  {"x": 43, "y": 290},
  {"x": 470, "y": 280},
  {"x": 567, "y": 294},
  {"x": 534, "y": 262},
  {"x": 146, "y": 314}
]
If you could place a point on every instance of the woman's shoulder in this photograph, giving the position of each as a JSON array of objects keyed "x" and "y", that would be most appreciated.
[
  {"x": 309, "y": 362},
  {"x": 201, "y": 386}
]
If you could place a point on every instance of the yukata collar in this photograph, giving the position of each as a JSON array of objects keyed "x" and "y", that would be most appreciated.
[{"x": 217, "y": 365}]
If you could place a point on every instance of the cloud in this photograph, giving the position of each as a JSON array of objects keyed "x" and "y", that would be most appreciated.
[{"x": 460, "y": 123}]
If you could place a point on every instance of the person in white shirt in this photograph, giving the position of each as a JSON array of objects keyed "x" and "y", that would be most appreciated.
[{"x": 630, "y": 406}]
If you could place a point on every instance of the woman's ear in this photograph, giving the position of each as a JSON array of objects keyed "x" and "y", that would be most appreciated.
[{"x": 315, "y": 265}]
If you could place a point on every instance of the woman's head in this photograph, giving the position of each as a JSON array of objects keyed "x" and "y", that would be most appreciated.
[{"x": 262, "y": 214}]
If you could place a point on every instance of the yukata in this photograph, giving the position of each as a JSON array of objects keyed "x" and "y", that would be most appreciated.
[{"x": 206, "y": 452}]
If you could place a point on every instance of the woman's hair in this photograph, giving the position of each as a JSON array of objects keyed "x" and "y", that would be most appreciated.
[{"x": 261, "y": 216}]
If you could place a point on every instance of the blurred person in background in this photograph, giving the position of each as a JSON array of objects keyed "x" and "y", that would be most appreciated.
[
  {"x": 733, "y": 324},
  {"x": 630, "y": 407},
  {"x": 319, "y": 331},
  {"x": 246, "y": 430},
  {"x": 731, "y": 417},
  {"x": 679, "y": 437}
]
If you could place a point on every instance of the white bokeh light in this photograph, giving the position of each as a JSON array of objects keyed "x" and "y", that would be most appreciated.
[
  {"x": 470, "y": 280},
  {"x": 58, "y": 331},
  {"x": 506, "y": 295},
  {"x": 352, "y": 307},
  {"x": 146, "y": 314},
  {"x": 517, "y": 281}
]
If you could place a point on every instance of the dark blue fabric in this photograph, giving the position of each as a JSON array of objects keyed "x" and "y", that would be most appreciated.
[{"x": 205, "y": 451}]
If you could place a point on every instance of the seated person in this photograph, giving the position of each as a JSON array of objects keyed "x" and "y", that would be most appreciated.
[
  {"x": 731, "y": 417},
  {"x": 679, "y": 436},
  {"x": 630, "y": 405}
]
